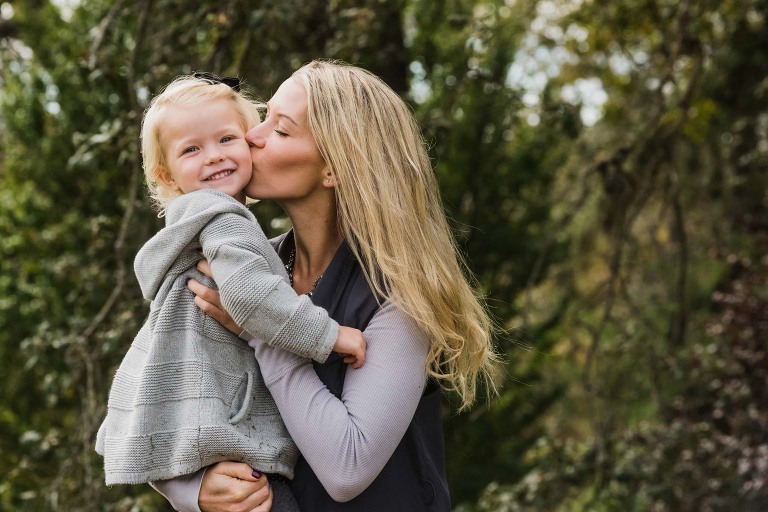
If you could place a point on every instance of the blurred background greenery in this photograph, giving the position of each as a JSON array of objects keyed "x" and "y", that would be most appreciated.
[{"x": 604, "y": 164}]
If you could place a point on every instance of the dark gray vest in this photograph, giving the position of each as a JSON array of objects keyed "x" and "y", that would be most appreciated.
[{"x": 413, "y": 479}]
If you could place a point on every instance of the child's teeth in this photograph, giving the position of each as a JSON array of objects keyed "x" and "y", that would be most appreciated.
[{"x": 220, "y": 175}]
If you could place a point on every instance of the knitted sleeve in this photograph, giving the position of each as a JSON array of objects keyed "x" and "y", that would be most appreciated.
[
  {"x": 245, "y": 268},
  {"x": 361, "y": 430}
]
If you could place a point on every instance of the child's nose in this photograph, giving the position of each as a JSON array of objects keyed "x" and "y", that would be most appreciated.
[{"x": 214, "y": 156}]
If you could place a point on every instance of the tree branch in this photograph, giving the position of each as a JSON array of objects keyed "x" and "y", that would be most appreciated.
[{"x": 101, "y": 32}]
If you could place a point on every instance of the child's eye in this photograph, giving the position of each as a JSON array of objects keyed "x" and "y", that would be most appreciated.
[
  {"x": 190, "y": 149},
  {"x": 227, "y": 138}
]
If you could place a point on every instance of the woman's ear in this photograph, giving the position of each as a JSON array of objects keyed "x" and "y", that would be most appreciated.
[{"x": 329, "y": 180}]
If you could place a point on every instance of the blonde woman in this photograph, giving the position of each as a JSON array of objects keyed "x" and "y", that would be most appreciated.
[{"x": 342, "y": 154}]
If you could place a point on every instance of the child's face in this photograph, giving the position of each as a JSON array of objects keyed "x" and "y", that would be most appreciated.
[{"x": 205, "y": 147}]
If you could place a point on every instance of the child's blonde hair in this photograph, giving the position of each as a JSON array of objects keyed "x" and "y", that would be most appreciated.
[
  {"x": 390, "y": 212},
  {"x": 184, "y": 91}
]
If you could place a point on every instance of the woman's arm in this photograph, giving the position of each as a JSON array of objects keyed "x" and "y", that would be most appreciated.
[{"x": 348, "y": 441}]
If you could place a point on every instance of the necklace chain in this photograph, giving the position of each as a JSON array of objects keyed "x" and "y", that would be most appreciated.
[{"x": 289, "y": 268}]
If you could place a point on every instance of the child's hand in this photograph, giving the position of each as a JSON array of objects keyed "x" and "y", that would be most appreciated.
[{"x": 351, "y": 344}]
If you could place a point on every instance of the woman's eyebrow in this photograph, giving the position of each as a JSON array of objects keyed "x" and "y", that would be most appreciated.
[
  {"x": 288, "y": 118},
  {"x": 269, "y": 107}
]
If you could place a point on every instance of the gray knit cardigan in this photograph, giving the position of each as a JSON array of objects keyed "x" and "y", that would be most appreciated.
[{"x": 189, "y": 393}]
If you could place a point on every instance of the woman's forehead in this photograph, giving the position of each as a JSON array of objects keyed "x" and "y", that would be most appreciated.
[{"x": 290, "y": 99}]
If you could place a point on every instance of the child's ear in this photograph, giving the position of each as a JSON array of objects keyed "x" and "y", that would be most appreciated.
[{"x": 165, "y": 176}]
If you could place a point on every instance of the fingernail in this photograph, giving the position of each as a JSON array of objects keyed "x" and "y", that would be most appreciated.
[{"x": 256, "y": 474}]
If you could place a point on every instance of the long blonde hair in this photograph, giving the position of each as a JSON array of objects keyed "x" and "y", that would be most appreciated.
[
  {"x": 391, "y": 215},
  {"x": 184, "y": 91}
]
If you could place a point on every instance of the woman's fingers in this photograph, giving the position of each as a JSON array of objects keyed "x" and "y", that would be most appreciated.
[
  {"x": 209, "y": 301},
  {"x": 266, "y": 505},
  {"x": 234, "y": 487},
  {"x": 207, "y": 294},
  {"x": 204, "y": 267},
  {"x": 237, "y": 470}
]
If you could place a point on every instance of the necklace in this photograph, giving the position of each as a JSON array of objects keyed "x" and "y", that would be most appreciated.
[{"x": 289, "y": 269}]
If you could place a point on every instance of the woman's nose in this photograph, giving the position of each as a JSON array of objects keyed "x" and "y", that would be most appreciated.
[{"x": 255, "y": 136}]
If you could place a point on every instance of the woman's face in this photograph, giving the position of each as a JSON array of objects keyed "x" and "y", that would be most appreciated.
[{"x": 287, "y": 165}]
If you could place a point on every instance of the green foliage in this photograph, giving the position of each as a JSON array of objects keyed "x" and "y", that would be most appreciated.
[{"x": 707, "y": 452}]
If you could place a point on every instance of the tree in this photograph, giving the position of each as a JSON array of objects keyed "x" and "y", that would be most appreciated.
[
  {"x": 661, "y": 204},
  {"x": 494, "y": 171}
]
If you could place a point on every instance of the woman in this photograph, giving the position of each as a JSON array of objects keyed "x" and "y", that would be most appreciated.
[{"x": 342, "y": 154}]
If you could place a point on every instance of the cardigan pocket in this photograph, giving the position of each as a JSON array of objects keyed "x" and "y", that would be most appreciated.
[{"x": 243, "y": 399}]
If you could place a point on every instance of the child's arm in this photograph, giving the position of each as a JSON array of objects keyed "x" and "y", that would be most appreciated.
[
  {"x": 350, "y": 342},
  {"x": 253, "y": 282},
  {"x": 245, "y": 268}
]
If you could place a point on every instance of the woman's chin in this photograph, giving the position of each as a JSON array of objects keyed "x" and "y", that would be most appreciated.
[{"x": 253, "y": 190}]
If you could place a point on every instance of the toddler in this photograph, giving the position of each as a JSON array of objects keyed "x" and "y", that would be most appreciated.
[{"x": 189, "y": 393}]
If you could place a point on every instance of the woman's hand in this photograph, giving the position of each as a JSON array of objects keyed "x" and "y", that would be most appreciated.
[
  {"x": 232, "y": 487},
  {"x": 209, "y": 300}
]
